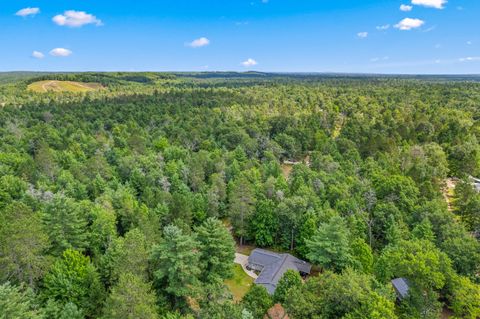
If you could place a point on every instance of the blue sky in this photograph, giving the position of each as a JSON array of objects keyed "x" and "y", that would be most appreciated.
[{"x": 362, "y": 36}]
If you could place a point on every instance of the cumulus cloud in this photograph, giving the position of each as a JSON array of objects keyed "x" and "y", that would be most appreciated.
[
  {"x": 38, "y": 55},
  {"x": 27, "y": 12},
  {"x": 409, "y": 24},
  {"x": 437, "y": 4},
  {"x": 76, "y": 19},
  {"x": 362, "y": 35},
  {"x": 198, "y": 43},
  {"x": 249, "y": 62},
  {"x": 406, "y": 8},
  {"x": 383, "y": 27},
  {"x": 61, "y": 52}
]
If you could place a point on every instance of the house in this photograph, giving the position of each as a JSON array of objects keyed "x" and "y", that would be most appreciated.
[
  {"x": 475, "y": 183},
  {"x": 272, "y": 266},
  {"x": 401, "y": 287},
  {"x": 276, "y": 312}
]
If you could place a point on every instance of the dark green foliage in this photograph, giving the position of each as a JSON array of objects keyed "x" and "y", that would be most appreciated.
[
  {"x": 217, "y": 249},
  {"x": 467, "y": 204},
  {"x": 242, "y": 202},
  {"x": 290, "y": 280},
  {"x": 216, "y": 302},
  {"x": 176, "y": 265},
  {"x": 346, "y": 295},
  {"x": 73, "y": 279},
  {"x": 127, "y": 254},
  {"x": 330, "y": 247},
  {"x": 264, "y": 223},
  {"x": 131, "y": 298},
  {"x": 65, "y": 226},
  {"x": 428, "y": 270},
  {"x": 23, "y": 244},
  {"x": 257, "y": 301}
]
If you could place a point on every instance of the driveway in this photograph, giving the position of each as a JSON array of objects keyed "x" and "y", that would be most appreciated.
[{"x": 242, "y": 260}]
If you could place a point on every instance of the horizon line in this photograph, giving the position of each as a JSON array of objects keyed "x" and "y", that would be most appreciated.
[{"x": 253, "y": 71}]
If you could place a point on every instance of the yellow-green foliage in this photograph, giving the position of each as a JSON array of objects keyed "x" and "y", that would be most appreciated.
[{"x": 62, "y": 86}]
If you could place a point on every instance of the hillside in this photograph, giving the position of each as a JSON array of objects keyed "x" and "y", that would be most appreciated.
[{"x": 62, "y": 86}]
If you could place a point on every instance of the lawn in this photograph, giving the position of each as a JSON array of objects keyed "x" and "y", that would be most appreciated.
[
  {"x": 240, "y": 283},
  {"x": 62, "y": 86}
]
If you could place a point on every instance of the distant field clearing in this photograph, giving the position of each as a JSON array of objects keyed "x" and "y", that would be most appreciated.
[{"x": 63, "y": 86}]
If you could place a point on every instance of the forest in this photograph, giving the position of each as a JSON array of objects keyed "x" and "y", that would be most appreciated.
[{"x": 132, "y": 200}]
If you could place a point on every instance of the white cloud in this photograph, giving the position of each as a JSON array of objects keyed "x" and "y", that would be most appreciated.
[
  {"x": 38, "y": 55},
  {"x": 27, "y": 12},
  {"x": 437, "y": 4},
  {"x": 383, "y": 27},
  {"x": 469, "y": 42},
  {"x": 409, "y": 24},
  {"x": 61, "y": 52},
  {"x": 362, "y": 35},
  {"x": 385, "y": 58},
  {"x": 406, "y": 8},
  {"x": 198, "y": 43},
  {"x": 249, "y": 62},
  {"x": 470, "y": 59},
  {"x": 75, "y": 19}
]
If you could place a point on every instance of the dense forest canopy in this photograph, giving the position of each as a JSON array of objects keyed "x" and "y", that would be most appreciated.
[{"x": 128, "y": 202}]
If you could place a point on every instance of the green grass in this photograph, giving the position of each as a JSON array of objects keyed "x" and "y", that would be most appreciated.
[
  {"x": 239, "y": 284},
  {"x": 62, "y": 86}
]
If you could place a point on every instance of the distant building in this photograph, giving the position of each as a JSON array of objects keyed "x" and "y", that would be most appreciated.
[
  {"x": 475, "y": 183},
  {"x": 401, "y": 287},
  {"x": 272, "y": 266}
]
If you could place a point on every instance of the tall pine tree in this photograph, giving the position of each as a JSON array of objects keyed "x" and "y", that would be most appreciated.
[
  {"x": 217, "y": 251},
  {"x": 176, "y": 265}
]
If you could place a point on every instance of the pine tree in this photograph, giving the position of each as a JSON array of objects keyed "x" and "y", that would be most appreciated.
[
  {"x": 129, "y": 255},
  {"x": 242, "y": 201},
  {"x": 330, "y": 247},
  {"x": 23, "y": 243},
  {"x": 264, "y": 223},
  {"x": 131, "y": 298},
  {"x": 217, "y": 251},
  {"x": 17, "y": 303},
  {"x": 176, "y": 265},
  {"x": 64, "y": 225}
]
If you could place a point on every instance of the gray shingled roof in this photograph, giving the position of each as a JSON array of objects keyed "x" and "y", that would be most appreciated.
[
  {"x": 401, "y": 287},
  {"x": 273, "y": 266}
]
